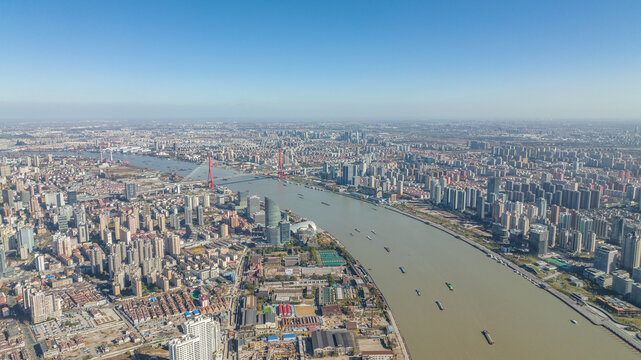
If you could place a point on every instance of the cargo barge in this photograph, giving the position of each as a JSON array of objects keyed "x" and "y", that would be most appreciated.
[
  {"x": 449, "y": 286},
  {"x": 488, "y": 337}
]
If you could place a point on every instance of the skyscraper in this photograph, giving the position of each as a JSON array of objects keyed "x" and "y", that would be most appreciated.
[
  {"x": 272, "y": 213},
  {"x": 631, "y": 251},
  {"x": 538, "y": 240},
  {"x": 285, "y": 232},
  {"x": 273, "y": 235},
  {"x": 243, "y": 196},
  {"x": 618, "y": 231},
  {"x": 253, "y": 205},
  {"x": 26, "y": 239}
]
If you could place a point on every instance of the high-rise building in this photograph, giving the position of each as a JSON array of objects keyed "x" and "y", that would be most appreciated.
[
  {"x": 40, "y": 263},
  {"x": 189, "y": 217},
  {"x": 72, "y": 197},
  {"x": 26, "y": 238},
  {"x": 97, "y": 258},
  {"x": 188, "y": 202},
  {"x": 200, "y": 215},
  {"x": 125, "y": 235},
  {"x": 618, "y": 231},
  {"x": 172, "y": 245},
  {"x": 158, "y": 247},
  {"x": 253, "y": 205},
  {"x": 208, "y": 331},
  {"x": 285, "y": 231},
  {"x": 83, "y": 233},
  {"x": 161, "y": 223},
  {"x": 273, "y": 235},
  {"x": 224, "y": 230},
  {"x": 538, "y": 240},
  {"x": 243, "y": 196},
  {"x": 631, "y": 251},
  {"x": 605, "y": 258},
  {"x": 595, "y": 199},
  {"x": 63, "y": 222},
  {"x": 60, "y": 199},
  {"x": 555, "y": 210},
  {"x": 131, "y": 190},
  {"x": 42, "y": 306},
  {"x": 185, "y": 348},
  {"x": 542, "y": 206},
  {"x": 493, "y": 184},
  {"x": 272, "y": 213},
  {"x": 3, "y": 261},
  {"x": 136, "y": 286}
]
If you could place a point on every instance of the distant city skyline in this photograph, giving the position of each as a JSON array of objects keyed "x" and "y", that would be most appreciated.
[{"x": 362, "y": 60}]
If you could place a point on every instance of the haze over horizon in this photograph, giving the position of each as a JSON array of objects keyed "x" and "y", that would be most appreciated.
[{"x": 320, "y": 60}]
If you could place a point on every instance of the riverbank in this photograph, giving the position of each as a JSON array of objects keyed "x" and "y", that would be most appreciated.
[
  {"x": 595, "y": 317},
  {"x": 388, "y": 309},
  {"x": 585, "y": 311}
]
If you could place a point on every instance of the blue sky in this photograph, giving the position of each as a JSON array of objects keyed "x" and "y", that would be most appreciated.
[{"x": 320, "y": 59}]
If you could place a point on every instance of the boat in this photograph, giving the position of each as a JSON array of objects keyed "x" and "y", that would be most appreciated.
[
  {"x": 418, "y": 292},
  {"x": 440, "y": 306},
  {"x": 387, "y": 249},
  {"x": 573, "y": 321},
  {"x": 449, "y": 286},
  {"x": 357, "y": 230},
  {"x": 351, "y": 234},
  {"x": 373, "y": 232},
  {"x": 639, "y": 336},
  {"x": 368, "y": 237},
  {"x": 324, "y": 203},
  {"x": 402, "y": 269},
  {"x": 488, "y": 337}
]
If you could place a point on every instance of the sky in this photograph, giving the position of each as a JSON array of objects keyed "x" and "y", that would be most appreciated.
[{"x": 324, "y": 60}]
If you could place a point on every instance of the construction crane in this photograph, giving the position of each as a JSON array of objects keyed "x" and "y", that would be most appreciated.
[{"x": 254, "y": 344}]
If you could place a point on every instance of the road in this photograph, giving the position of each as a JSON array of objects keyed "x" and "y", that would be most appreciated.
[{"x": 234, "y": 304}]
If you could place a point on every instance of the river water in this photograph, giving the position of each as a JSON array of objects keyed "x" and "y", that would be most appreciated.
[{"x": 524, "y": 321}]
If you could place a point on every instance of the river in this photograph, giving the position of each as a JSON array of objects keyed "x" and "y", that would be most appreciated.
[{"x": 524, "y": 321}]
